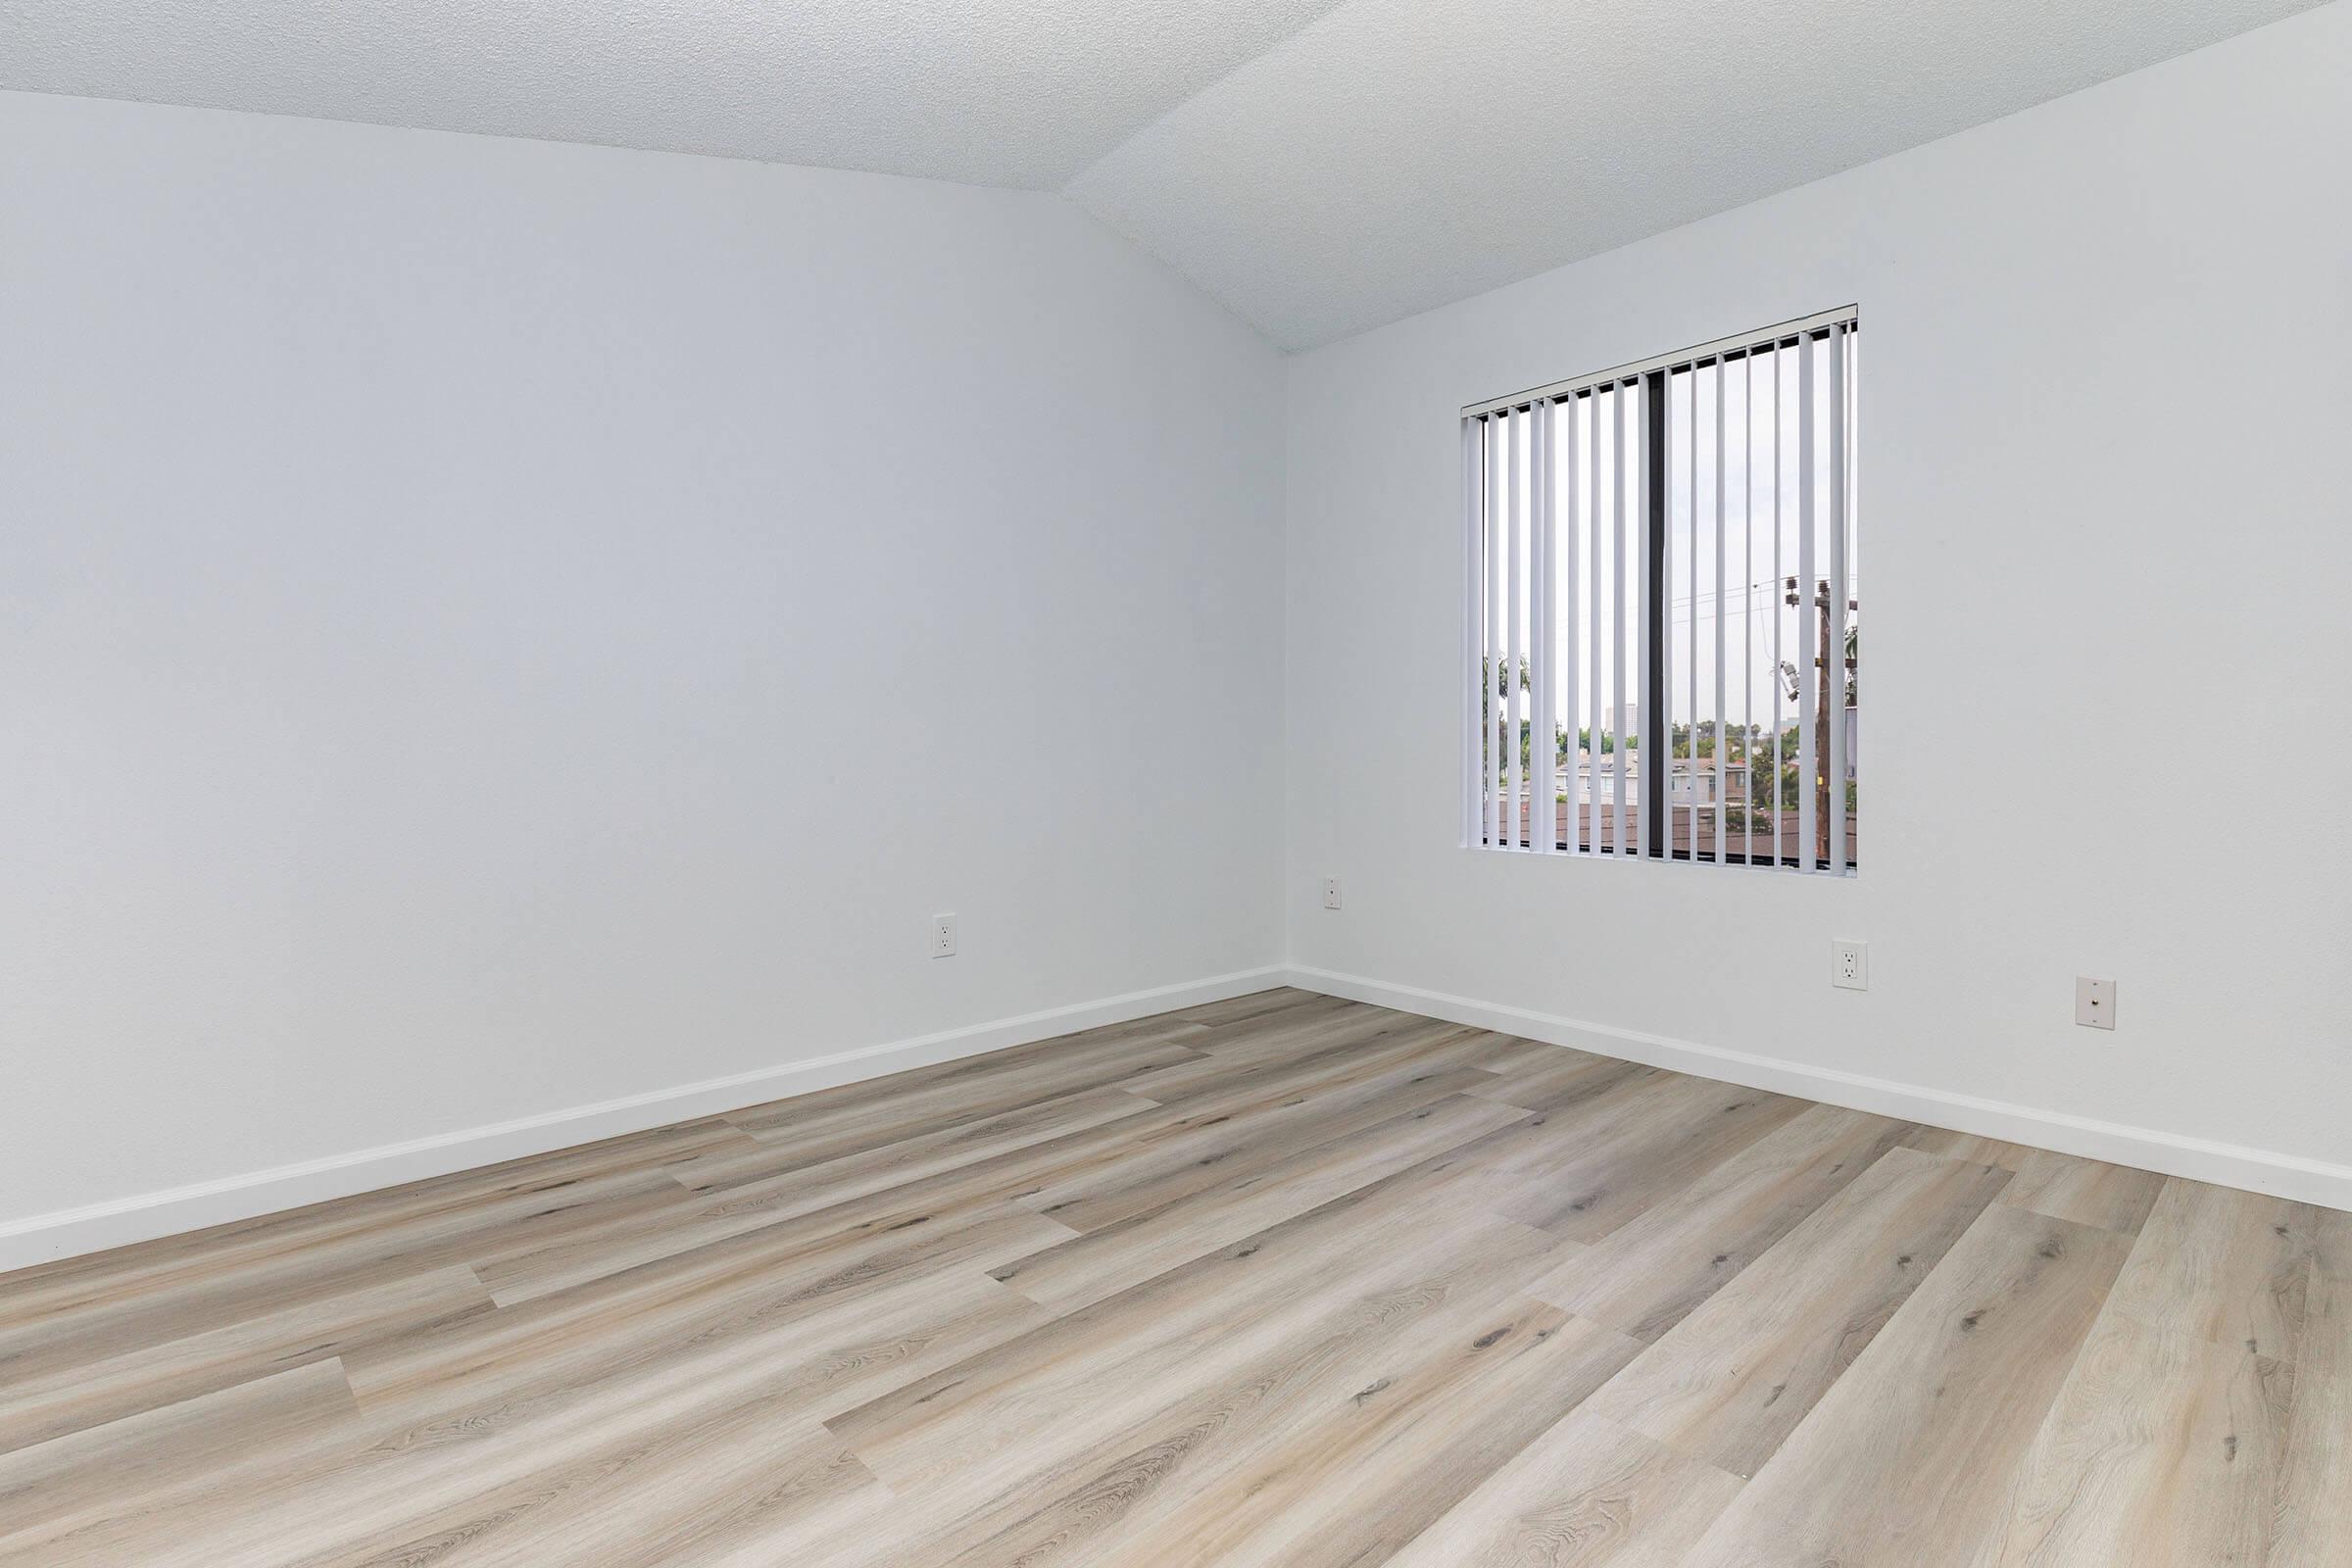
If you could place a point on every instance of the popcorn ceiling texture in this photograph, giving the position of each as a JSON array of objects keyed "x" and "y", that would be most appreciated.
[
  {"x": 1319, "y": 166},
  {"x": 989, "y": 92},
  {"x": 1398, "y": 155}
]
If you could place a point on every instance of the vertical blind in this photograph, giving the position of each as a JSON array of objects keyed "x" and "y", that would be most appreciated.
[{"x": 1662, "y": 613}]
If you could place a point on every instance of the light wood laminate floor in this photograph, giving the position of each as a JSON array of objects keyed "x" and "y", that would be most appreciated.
[{"x": 1279, "y": 1281}]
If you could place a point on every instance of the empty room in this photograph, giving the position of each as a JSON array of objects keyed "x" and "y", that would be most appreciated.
[{"x": 952, "y": 785}]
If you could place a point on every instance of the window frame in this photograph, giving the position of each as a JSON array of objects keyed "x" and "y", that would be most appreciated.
[{"x": 1653, "y": 377}]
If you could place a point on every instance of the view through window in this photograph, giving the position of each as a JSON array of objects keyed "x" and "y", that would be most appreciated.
[{"x": 1663, "y": 616}]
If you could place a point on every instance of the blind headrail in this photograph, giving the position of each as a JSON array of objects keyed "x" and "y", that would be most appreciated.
[{"x": 1761, "y": 337}]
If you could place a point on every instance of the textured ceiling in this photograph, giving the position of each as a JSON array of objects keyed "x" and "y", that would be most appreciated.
[
  {"x": 1400, "y": 154},
  {"x": 994, "y": 92},
  {"x": 1321, "y": 166}
]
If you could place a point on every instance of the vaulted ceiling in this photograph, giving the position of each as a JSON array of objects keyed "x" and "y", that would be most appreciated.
[{"x": 1320, "y": 165}]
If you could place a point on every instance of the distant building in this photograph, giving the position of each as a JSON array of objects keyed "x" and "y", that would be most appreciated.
[{"x": 1690, "y": 781}]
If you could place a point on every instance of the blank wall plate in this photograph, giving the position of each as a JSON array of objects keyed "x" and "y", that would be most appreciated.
[
  {"x": 1849, "y": 965},
  {"x": 2094, "y": 1003},
  {"x": 942, "y": 936}
]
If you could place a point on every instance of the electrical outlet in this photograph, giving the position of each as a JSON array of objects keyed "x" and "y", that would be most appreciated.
[
  {"x": 1331, "y": 893},
  {"x": 942, "y": 936},
  {"x": 1849, "y": 965},
  {"x": 2094, "y": 1003}
]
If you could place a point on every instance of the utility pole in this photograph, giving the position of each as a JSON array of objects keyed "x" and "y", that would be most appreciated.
[
  {"x": 1823, "y": 665},
  {"x": 1821, "y": 732}
]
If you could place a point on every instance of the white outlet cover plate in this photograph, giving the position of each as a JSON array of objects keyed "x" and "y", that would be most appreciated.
[
  {"x": 1849, "y": 965},
  {"x": 2094, "y": 1003}
]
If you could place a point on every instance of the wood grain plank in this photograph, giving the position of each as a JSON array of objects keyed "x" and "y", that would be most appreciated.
[
  {"x": 535, "y": 1425},
  {"x": 2235, "y": 1265},
  {"x": 2314, "y": 1525},
  {"x": 689, "y": 1487},
  {"x": 807, "y": 1259},
  {"x": 1195, "y": 1321},
  {"x": 101, "y": 1471},
  {"x": 1508, "y": 1054},
  {"x": 1535, "y": 1082},
  {"x": 1317, "y": 1058},
  {"x": 2089, "y": 1191},
  {"x": 1733, "y": 1380},
  {"x": 1257, "y": 1005},
  {"x": 2167, "y": 1443},
  {"x": 1968, "y": 1148},
  {"x": 870, "y": 1114},
  {"x": 1907, "y": 1460},
  {"x": 1653, "y": 1271},
  {"x": 1206, "y": 1157},
  {"x": 1106, "y": 1261},
  {"x": 1374, "y": 1474},
  {"x": 1120, "y": 1495},
  {"x": 119, "y": 1282},
  {"x": 75, "y": 1397},
  {"x": 279, "y": 1270},
  {"x": 1584, "y": 1176},
  {"x": 746, "y": 1178},
  {"x": 1277, "y": 1030},
  {"x": 1587, "y": 1494},
  {"x": 2163, "y": 1449}
]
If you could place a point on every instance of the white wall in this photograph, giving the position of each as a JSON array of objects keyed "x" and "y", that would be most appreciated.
[
  {"x": 2106, "y": 407},
  {"x": 488, "y": 627}
]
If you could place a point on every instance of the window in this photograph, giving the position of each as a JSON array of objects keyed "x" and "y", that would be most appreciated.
[{"x": 1662, "y": 617}]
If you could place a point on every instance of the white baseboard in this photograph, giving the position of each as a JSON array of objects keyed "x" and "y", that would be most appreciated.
[
  {"x": 2258, "y": 1170},
  {"x": 69, "y": 1233}
]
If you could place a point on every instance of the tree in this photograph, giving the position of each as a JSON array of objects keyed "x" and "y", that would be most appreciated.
[{"x": 1493, "y": 688}]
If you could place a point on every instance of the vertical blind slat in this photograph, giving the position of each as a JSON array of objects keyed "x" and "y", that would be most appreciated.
[
  {"x": 1513, "y": 440},
  {"x": 1492, "y": 657},
  {"x": 1637, "y": 568},
  {"x": 1571, "y": 691},
  {"x": 1540, "y": 626},
  {"x": 1594, "y": 528},
  {"x": 1691, "y": 600},
  {"x": 1748, "y": 609},
  {"x": 1834, "y": 683},
  {"x": 1807, "y": 763},
  {"x": 1849, "y": 480},
  {"x": 1617, "y": 652},
  {"x": 1723, "y": 652},
  {"x": 1660, "y": 705},
  {"x": 1779, "y": 559},
  {"x": 1473, "y": 618}
]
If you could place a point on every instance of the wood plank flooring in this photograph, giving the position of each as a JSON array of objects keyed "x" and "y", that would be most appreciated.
[{"x": 1279, "y": 1281}]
